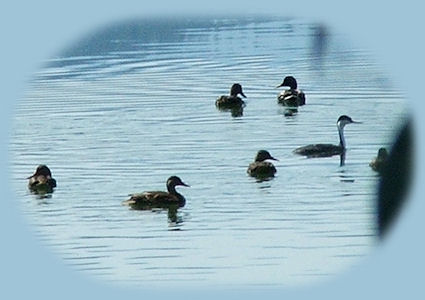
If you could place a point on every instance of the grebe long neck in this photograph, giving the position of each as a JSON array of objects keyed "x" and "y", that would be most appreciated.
[{"x": 341, "y": 135}]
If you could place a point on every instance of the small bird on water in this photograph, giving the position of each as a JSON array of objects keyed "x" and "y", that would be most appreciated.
[
  {"x": 232, "y": 100},
  {"x": 326, "y": 150},
  {"x": 378, "y": 163},
  {"x": 159, "y": 198},
  {"x": 41, "y": 181},
  {"x": 260, "y": 167},
  {"x": 291, "y": 97}
]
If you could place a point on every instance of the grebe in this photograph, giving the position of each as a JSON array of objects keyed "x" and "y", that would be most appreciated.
[
  {"x": 41, "y": 181},
  {"x": 291, "y": 97},
  {"x": 325, "y": 150},
  {"x": 159, "y": 198},
  {"x": 378, "y": 163},
  {"x": 231, "y": 101},
  {"x": 260, "y": 167}
]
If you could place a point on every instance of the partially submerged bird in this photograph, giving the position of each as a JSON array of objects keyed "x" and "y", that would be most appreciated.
[
  {"x": 231, "y": 101},
  {"x": 291, "y": 97},
  {"x": 378, "y": 163},
  {"x": 325, "y": 150},
  {"x": 260, "y": 167},
  {"x": 158, "y": 198},
  {"x": 41, "y": 181}
]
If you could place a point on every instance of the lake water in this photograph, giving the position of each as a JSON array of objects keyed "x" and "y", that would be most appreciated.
[{"x": 126, "y": 107}]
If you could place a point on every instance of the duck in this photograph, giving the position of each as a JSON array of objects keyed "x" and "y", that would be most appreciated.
[
  {"x": 326, "y": 150},
  {"x": 291, "y": 97},
  {"x": 41, "y": 181},
  {"x": 378, "y": 163},
  {"x": 159, "y": 198},
  {"x": 231, "y": 101},
  {"x": 260, "y": 167}
]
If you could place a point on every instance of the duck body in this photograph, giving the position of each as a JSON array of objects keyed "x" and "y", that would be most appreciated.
[
  {"x": 291, "y": 97},
  {"x": 260, "y": 167},
  {"x": 231, "y": 101},
  {"x": 226, "y": 102},
  {"x": 158, "y": 198},
  {"x": 378, "y": 163},
  {"x": 41, "y": 181},
  {"x": 326, "y": 150}
]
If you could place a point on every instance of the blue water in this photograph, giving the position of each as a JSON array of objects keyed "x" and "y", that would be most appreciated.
[{"x": 127, "y": 107}]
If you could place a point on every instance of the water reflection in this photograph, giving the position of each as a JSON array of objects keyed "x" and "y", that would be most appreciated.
[
  {"x": 264, "y": 178},
  {"x": 174, "y": 219},
  {"x": 319, "y": 40},
  {"x": 172, "y": 211},
  {"x": 342, "y": 158},
  {"x": 346, "y": 177},
  {"x": 235, "y": 110},
  {"x": 42, "y": 196},
  {"x": 319, "y": 43},
  {"x": 288, "y": 111}
]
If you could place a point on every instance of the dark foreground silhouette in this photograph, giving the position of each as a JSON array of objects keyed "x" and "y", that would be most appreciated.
[{"x": 395, "y": 179}]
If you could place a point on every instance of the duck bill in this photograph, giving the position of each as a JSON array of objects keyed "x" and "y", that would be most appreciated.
[
  {"x": 355, "y": 122},
  {"x": 184, "y": 184},
  {"x": 272, "y": 158},
  {"x": 280, "y": 85},
  {"x": 32, "y": 176},
  {"x": 242, "y": 94}
]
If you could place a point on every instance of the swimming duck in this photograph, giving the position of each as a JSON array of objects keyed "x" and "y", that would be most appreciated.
[
  {"x": 41, "y": 181},
  {"x": 378, "y": 163},
  {"x": 326, "y": 150},
  {"x": 159, "y": 198},
  {"x": 260, "y": 167},
  {"x": 232, "y": 100},
  {"x": 291, "y": 97}
]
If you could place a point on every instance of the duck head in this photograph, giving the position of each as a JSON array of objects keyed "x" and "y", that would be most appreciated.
[
  {"x": 289, "y": 81},
  {"x": 262, "y": 155},
  {"x": 236, "y": 89},
  {"x": 175, "y": 181},
  {"x": 42, "y": 170}
]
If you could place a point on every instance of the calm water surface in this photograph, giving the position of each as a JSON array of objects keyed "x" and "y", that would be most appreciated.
[{"x": 127, "y": 107}]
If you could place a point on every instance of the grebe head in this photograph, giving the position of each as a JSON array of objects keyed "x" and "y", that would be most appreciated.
[
  {"x": 174, "y": 181},
  {"x": 262, "y": 155},
  {"x": 236, "y": 89},
  {"x": 41, "y": 170},
  {"x": 289, "y": 81},
  {"x": 344, "y": 120}
]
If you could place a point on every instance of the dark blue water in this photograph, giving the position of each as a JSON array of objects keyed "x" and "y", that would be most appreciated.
[{"x": 125, "y": 108}]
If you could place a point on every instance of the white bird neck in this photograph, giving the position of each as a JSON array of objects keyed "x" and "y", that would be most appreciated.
[{"x": 341, "y": 134}]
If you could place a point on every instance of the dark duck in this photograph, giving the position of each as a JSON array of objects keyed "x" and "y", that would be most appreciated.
[
  {"x": 378, "y": 163},
  {"x": 231, "y": 101},
  {"x": 157, "y": 199},
  {"x": 326, "y": 150},
  {"x": 291, "y": 97},
  {"x": 41, "y": 181},
  {"x": 261, "y": 168}
]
